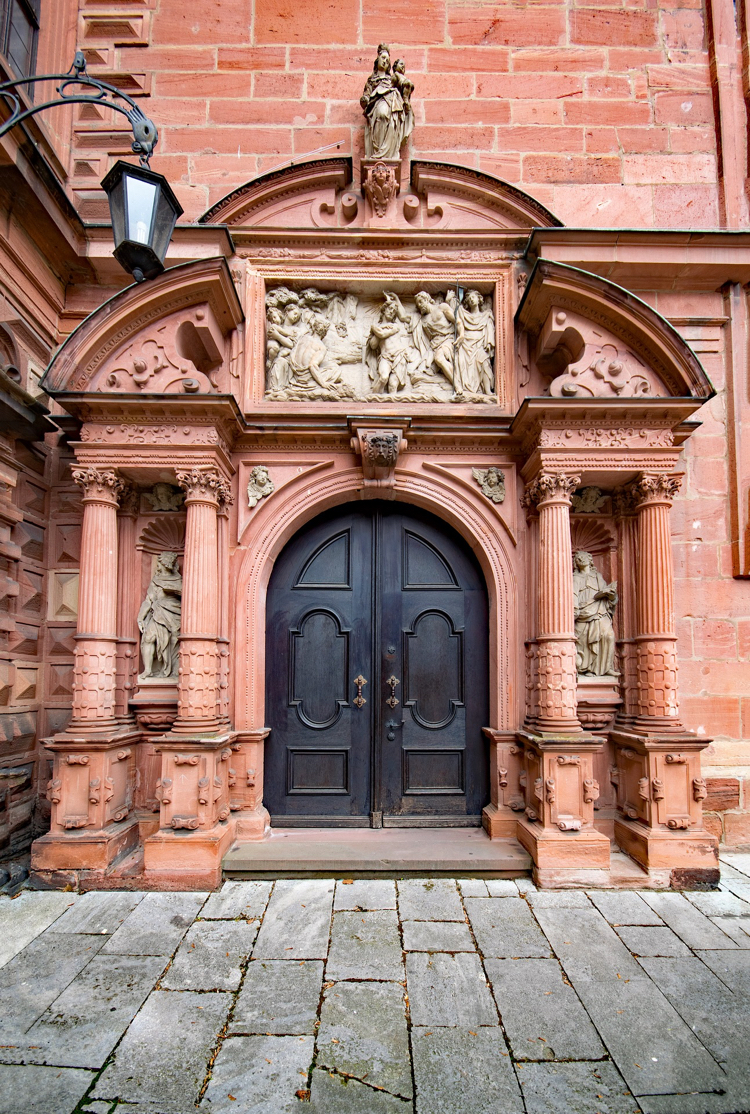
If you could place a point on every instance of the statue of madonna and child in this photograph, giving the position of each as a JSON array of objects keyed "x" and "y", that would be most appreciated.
[{"x": 386, "y": 103}]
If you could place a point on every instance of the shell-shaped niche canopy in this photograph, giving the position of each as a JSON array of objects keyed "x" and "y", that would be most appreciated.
[
  {"x": 165, "y": 535},
  {"x": 593, "y": 536}
]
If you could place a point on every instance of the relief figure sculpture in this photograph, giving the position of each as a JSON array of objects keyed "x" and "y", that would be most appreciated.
[
  {"x": 312, "y": 374},
  {"x": 475, "y": 346},
  {"x": 394, "y": 361},
  {"x": 594, "y": 605},
  {"x": 386, "y": 103},
  {"x": 159, "y": 619},
  {"x": 434, "y": 332}
]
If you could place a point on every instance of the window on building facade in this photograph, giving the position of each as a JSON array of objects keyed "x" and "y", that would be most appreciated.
[{"x": 19, "y": 27}]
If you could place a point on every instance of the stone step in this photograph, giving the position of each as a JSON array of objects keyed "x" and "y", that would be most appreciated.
[{"x": 367, "y": 852}]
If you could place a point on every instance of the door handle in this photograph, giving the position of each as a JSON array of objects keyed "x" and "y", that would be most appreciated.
[
  {"x": 392, "y": 700},
  {"x": 392, "y": 727},
  {"x": 359, "y": 699}
]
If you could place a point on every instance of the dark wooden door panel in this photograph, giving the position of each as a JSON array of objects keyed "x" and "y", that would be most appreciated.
[{"x": 393, "y": 596}]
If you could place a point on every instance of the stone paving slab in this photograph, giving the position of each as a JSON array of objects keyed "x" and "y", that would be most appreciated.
[
  {"x": 477, "y": 887},
  {"x": 38, "y": 1090},
  {"x": 719, "y": 903},
  {"x": 624, "y": 908},
  {"x": 436, "y": 936},
  {"x": 83, "y": 1025},
  {"x": 651, "y": 941},
  {"x": 279, "y": 996},
  {"x": 504, "y": 928},
  {"x": 558, "y": 899},
  {"x": 210, "y": 956},
  {"x": 297, "y": 920},
  {"x": 97, "y": 913},
  {"x": 580, "y": 1088},
  {"x": 733, "y": 968},
  {"x": 337, "y": 1094},
  {"x": 365, "y": 893},
  {"x": 237, "y": 899},
  {"x": 164, "y": 1055},
  {"x": 542, "y": 1015},
  {"x": 36, "y": 976},
  {"x": 260, "y": 1074},
  {"x": 157, "y": 925},
  {"x": 24, "y": 917},
  {"x": 740, "y": 860},
  {"x": 365, "y": 946},
  {"x": 693, "y": 928},
  {"x": 363, "y": 1034},
  {"x": 429, "y": 899},
  {"x": 497, "y": 887},
  {"x": 448, "y": 990},
  {"x": 736, "y": 928},
  {"x": 464, "y": 1071}
]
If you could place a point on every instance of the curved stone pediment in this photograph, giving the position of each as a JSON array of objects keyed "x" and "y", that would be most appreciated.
[
  {"x": 592, "y": 339},
  {"x": 322, "y": 194},
  {"x": 167, "y": 336}
]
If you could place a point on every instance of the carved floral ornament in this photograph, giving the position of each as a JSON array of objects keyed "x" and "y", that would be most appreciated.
[
  {"x": 205, "y": 484},
  {"x": 99, "y": 484},
  {"x": 550, "y": 487}
]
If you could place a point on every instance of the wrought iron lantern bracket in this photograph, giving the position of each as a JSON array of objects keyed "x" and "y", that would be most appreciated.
[{"x": 145, "y": 135}]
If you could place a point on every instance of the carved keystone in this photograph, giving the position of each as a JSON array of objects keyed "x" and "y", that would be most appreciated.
[{"x": 379, "y": 447}]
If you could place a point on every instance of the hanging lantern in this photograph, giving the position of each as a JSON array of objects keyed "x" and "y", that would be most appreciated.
[{"x": 144, "y": 212}]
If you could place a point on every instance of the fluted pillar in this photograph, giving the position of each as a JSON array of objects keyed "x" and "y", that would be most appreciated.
[
  {"x": 557, "y": 678},
  {"x": 627, "y": 559},
  {"x": 223, "y": 565},
  {"x": 128, "y": 586},
  {"x": 656, "y": 641},
  {"x": 198, "y": 692},
  {"x": 96, "y": 641}
]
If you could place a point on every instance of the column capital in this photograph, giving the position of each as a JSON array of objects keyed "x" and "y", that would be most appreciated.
[
  {"x": 550, "y": 487},
  {"x": 202, "y": 485},
  {"x": 656, "y": 488},
  {"x": 100, "y": 485},
  {"x": 129, "y": 500}
]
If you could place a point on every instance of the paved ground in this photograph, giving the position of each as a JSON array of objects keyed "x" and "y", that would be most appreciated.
[{"x": 432, "y": 996}]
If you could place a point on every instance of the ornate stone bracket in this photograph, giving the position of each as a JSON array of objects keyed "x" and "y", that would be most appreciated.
[
  {"x": 379, "y": 447},
  {"x": 381, "y": 182}
]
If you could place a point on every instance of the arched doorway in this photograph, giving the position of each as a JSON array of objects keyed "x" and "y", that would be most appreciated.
[{"x": 376, "y": 673}]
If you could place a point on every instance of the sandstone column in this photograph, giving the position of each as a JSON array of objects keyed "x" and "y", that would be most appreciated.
[
  {"x": 656, "y": 641},
  {"x": 198, "y": 694},
  {"x": 627, "y": 532},
  {"x": 96, "y": 640},
  {"x": 128, "y": 586},
  {"x": 551, "y": 492},
  {"x": 223, "y": 567}
]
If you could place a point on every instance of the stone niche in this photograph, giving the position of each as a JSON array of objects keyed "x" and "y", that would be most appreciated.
[{"x": 400, "y": 342}]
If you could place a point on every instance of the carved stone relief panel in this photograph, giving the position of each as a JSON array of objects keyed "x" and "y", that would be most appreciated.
[{"x": 330, "y": 345}]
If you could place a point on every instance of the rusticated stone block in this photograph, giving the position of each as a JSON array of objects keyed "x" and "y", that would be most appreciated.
[
  {"x": 723, "y": 792},
  {"x": 737, "y": 829}
]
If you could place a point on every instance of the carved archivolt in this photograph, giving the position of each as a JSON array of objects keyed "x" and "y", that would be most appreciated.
[{"x": 332, "y": 345}]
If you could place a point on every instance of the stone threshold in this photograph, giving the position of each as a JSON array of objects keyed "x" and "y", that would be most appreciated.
[{"x": 368, "y": 852}]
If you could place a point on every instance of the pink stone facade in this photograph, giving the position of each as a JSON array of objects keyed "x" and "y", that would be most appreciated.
[{"x": 562, "y": 161}]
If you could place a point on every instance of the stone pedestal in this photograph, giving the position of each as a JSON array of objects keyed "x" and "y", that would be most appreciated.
[
  {"x": 507, "y": 800},
  {"x": 154, "y": 703},
  {"x": 598, "y": 701},
  {"x": 246, "y": 792}
]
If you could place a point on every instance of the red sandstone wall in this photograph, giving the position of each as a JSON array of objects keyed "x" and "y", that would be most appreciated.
[{"x": 604, "y": 113}]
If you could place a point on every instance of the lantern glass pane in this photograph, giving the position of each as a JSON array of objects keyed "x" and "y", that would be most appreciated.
[
  {"x": 140, "y": 213},
  {"x": 117, "y": 210},
  {"x": 163, "y": 225}
]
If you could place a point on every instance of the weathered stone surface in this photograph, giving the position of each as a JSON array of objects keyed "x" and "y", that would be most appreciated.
[
  {"x": 448, "y": 990},
  {"x": 36, "y": 976},
  {"x": 34, "y": 1090},
  {"x": 98, "y": 913},
  {"x": 162, "y": 1059},
  {"x": 475, "y": 887},
  {"x": 335, "y": 1094},
  {"x": 259, "y": 1074},
  {"x": 561, "y": 899},
  {"x": 651, "y": 941},
  {"x": 363, "y": 1034},
  {"x": 696, "y": 930},
  {"x": 739, "y": 860},
  {"x": 624, "y": 908},
  {"x": 278, "y": 996},
  {"x": 732, "y": 968},
  {"x": 596, "y": 1088},
  {"x": 83, "y": 1025},
  {"x": 542, "y": 1015},
  {"x": 461, "y": 1069},
  {"x": 525, "y": 886},
  {"x": 365, "y": 946},
  {"x": 497, "y": 887},
  {"x": 437, "y": 936},
  {"x": 654, "y": 1049},
  {"x": 297, "y": 920},
  {"x": 719, "y": 904},
  {"x": 210, "y": 956},
  {"x": 504, "y": 928},
  {"x": 429, "y": 899},
  {"x": 736, "y": 928},
  {"x": 365, "y": 893},
  {"x": 237, "y": 899},
  {"x": 22, "y": 918},
  {"x": 736, "y": 886},
  {"x": 157, "y": 925}
]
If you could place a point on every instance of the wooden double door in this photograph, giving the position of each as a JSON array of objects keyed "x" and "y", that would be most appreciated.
[{"x": 377, "y": 673}]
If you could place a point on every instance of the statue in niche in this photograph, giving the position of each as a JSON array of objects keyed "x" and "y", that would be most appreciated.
[
  {"x": 475, "y": 346},
  {"x": 434, "y": 331},
  {"x": 492, "y": 482},
  {"x": 386, "y": 103},
  {"x": 594, "y": 604},
  {"x": 159, "y": 619},
  {"x": 394, "y": 360},
  {"x": 259, "y": 486},
  {"x": 165, "y": 497}
]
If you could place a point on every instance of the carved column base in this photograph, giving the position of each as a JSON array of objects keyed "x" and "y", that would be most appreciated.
[
  {"x": 506, "y": 791},
  {"x": 154, "y": 703},
  {"x": 598, "y": 702},
  {"x": 566, "y": 858},
  {"x": 91, "y": 792},
  {"x": 190, "y": 860},
  {"x": 246, "y": 773},
  {"x": 660, "y": 794}
]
